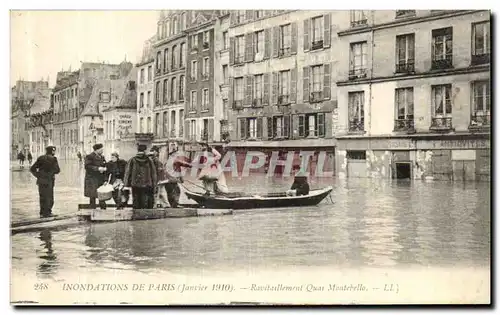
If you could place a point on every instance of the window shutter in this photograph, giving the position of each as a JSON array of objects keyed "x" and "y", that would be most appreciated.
[
  {"x": 248, "y": 90},
  {"x": 276, "y": 35},
  {"x": 301, "y": 125},
  {"x": 249, "y": 47},
  {"x": 270, "y": 134},
  {"x": 275, "y": 89},
  {"x": 243, "y": 133},
  {"x": 231, "y": 93},
  {"x": 249, "y": 15},
  {"x": 187, "y": 132},
  {"x": 267, "y": 84},
  {"x": 259, "y": 128},
  {"x": 294, "y": 38},
  {"x": 267, "y": 43},
  {"x": 293, "y": 85},
  {"x": 231, "y": 50},
  {"x": 320, "y": 125},
  {"x": 210, "y": 130},
  {"x": 286, "y": 126},
  {"x": 307, "y": 42},
  {"x": 326, "y": 81},
  {"x": 327, "y": 38},
  {"x": 305, "y": 82}
]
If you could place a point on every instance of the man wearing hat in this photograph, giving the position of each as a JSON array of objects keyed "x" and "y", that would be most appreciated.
[
  {"x": 160, "y": 193},
  {"x": 141, "y": 176},
  {"x": 95, "y": 168},
  {"x": 44, "y": 169},
  {"x": 116, "y": 169}
]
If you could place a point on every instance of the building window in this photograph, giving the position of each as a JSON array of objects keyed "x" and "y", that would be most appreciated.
[
  {"x": 182, "y": 86},
  {"x": 149, "y": 125},
  {"x": 225, "y": 40},
  {"x": 181, "y": 122},
  {"x": 174, "y": 57},
  {"x": 165, "y": 60},
  {"x": 206, "y": 68},
  {"x": 312, "y": 125},
  {"x": 481, "y": 103},
  {"x": 251, "y": 130},
  {"x": 204, "y": 132},
  {"x": 192, "y": 130},
  {"x": 173, "y": 90},
  {"x": 157, "y": 93},
  {"x": 357, "y": 64},
  {"x": 165, "y": 91},
  {"x": 358, "y": 18},
  {"x": 157, "y": 124},
  {"x": 238, "y": 92},
  {"x": 442, "y": 106},
  {"x": 480, "y": 43},
  {"x": 258, "y": 87},
  {"x": 182, "y": 55},
  {"x": 405, "y": 53},
  {"x": 194, "y": 70},
  {"x": 206, "y": 39},
  {"x": 404, "y": 109},
  {"x": 258, "y": 42},
  {"x": 183, "y": 21},
  {"x": 225, "y": 75},
  {"x": 142, "y": 76},
  {"x": 317, "y": 32},
  {"x": 168, "y": 29},
  {"x": 356, "y": 111},
  {"x": 141, "y": 125},
  {"x": 194, "y": 41},
  {"x": 239, "y": 53},
  {"x": 442, "y": 48},
  {"x": 285, "y": 38},
  {"x": 104, "y": 97},
  {"x": 175, "y": 29},
  {"x": 279, "y": 127},
  {"x": 165, "y": 123},
  {"x": 150, "y": 73},
  {"x": 204, "y": 100},
  {"x": 172, "y": 124},
  {"x": 284, "y": 87},
  {"x": 240, "y": 16},
  {"x": 142, "y": 100},
  {"x": 192, "y": 103},
  {"x": 148, "y": 100},
  {"x": 158, "y": 62},
  {"x": 404, "y": 13},
  {"x": 317, "y": 83}
]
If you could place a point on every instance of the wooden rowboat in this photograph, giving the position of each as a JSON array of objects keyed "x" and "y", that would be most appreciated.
[{"x": 270, "y": 200}]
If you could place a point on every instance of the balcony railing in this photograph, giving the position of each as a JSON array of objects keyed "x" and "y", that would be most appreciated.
[
  {"x": 480, "y": 59},
  {"x": 405, "y": 13},
  {"x": 257, "y": 102},
  {"x": 357, "y": 125},
  {"x": 237, "y": 104},
  {"x": 442, "y": 63},
  {"x": 317, "y": 44},
  {"x": 285, "y": 51},
  {"x": 316, "y": 97},
  {"x": 359, "y": 23},
  {"x": 406, "y": 66},
  {"x": 158, "y": 71},
  {"x": 239, "y": 59},
  {"x": 283, "y": 99},
  {"x": 205, "y": 76},
  {"x": 441, "y": 123},
  {"x": 404, "y": 124},
  {"x": 206, "y": 45},
  {"x": 357, "y": 73},
  {"x": 480, "y": 121}
]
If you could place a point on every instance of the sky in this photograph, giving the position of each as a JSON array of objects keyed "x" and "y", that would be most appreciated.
[{"x": 45, "y": 42}]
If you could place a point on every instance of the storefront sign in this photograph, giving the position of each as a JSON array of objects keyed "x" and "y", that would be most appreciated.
[
  {"x": 124, "y": 125},
  {"x": 375, "y": 144},
  {"x": 453, "y": 144}
]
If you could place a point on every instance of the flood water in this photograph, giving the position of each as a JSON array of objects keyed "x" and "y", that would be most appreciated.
[{"x": 372, "y": 223}]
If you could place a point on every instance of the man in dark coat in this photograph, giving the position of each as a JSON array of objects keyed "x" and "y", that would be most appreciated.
[
  {"x": 160, "y": 192},
  {"x": 44, "y": 169},
  {"x": 95, "y": 168},
  {"x": 116, "y": 168},
  {"x": 30, "y": 157},
  {"x": 141, "y": 176}
]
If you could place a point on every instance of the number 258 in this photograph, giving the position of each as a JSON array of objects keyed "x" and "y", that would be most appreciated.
[{"x": 40, "y": 286}]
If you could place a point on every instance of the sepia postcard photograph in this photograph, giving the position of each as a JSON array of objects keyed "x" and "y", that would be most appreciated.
[{"x": 250, "y": 157}]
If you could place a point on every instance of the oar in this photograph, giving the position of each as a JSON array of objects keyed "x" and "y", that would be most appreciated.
[{"x": 194, "y": 184}]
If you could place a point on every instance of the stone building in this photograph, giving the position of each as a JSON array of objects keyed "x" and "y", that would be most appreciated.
[
  {"x": 221, "y": 77},
  {"x": 41, "y": 114},
  {"x": 145, "y": 89},
  {"x": 414, "y": 94},
  {"x": 282, "y": 74}
]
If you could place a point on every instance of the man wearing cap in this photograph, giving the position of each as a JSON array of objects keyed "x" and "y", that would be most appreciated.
[
  {"x": 160, "y": 193},
  {"x": 141, "y": 176},
  {"x": 95, "y": 168},
  {"x": 116, "y": 168},
  {"x": 44, "y": 169}
]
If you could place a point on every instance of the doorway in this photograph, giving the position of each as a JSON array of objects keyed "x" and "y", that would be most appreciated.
[{"x": 403, "y": 170}]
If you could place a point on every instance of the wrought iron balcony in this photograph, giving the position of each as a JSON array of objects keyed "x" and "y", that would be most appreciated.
[
  {"x": 446, "y": 63},
  {"x": 357, "y": 125},
  {"x": 405, "y": 13},
  {"x": 441, "y": 124},
  {"x": 480, "y": 121},
  {"x": 237, "y": 104},
  {"x": 257, "y": 102},
  {"x": 285, "y": 51},
  {"x": 406, "y": 67},
  {"x": 317, "y": 44},
  {"x": 358, "y": 23},
  {"x": 206, "y": 45},
  {"x": 316, "y": 97},
  {"x": 357, "y": 73},
  {"x": 158, "y": 71},
  {"x": 404, "y": 125},
  {"x": 480, "y": 59},
  {"x": 283, "y": 99},
  {"x": 239, "y": 59}
]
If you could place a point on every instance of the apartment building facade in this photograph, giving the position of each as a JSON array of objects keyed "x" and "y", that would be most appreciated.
[
  {"x": 145, "y": 89},
  {"x": 414, "y": 95},
  {"x": 282, "y": 92},
  {"x": 170, "y": 80}
]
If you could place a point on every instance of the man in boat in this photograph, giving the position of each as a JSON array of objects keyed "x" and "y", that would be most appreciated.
[
  {"x": 212, "y": 175},
  {"x": 173, "y": 175},
  {"x": 140, "y": 175},
  {"x": 95, "y": 168},
  {"x": 300, "y": 184},
  {"x": 44, "y": 169},
  {"x": 160, "y": 192},
  {"x": 116, "y": 168}
]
